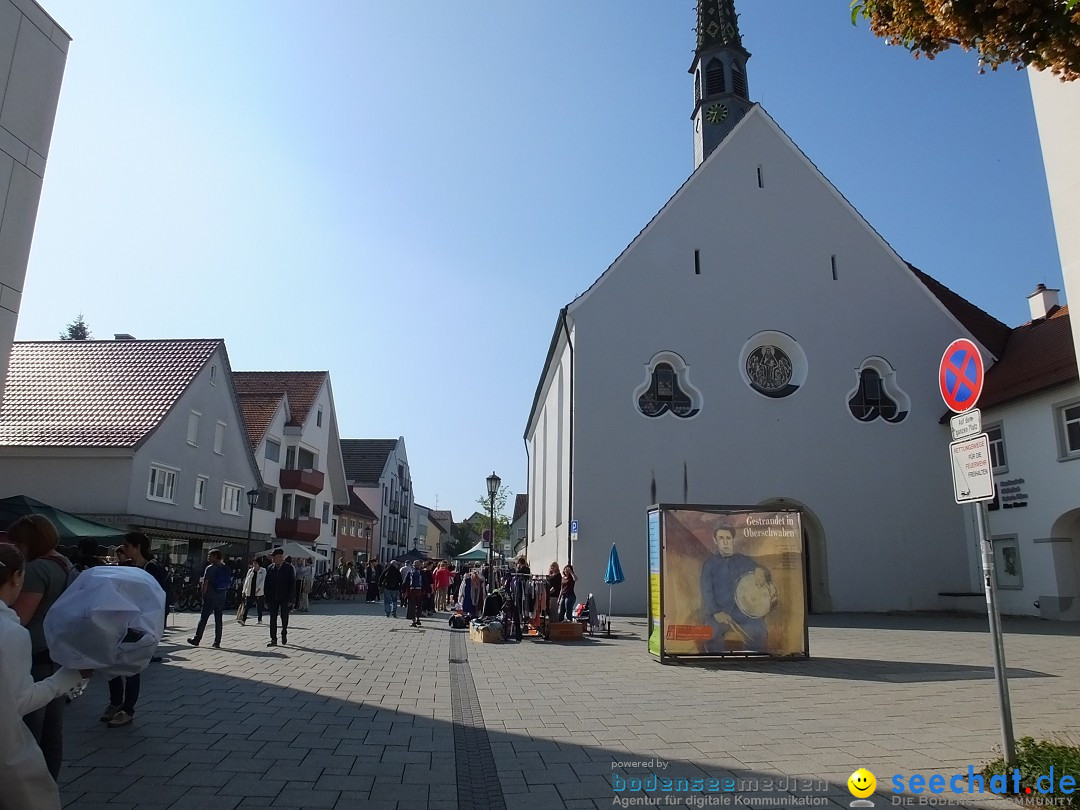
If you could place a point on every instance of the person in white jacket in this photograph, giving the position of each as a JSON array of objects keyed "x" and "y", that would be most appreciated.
[
  {"x": 253, "y": 591},
  {"x": 27, "y": 783}
]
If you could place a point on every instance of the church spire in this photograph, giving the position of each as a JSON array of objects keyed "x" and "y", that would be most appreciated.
[
  {"x": 721, "y": 96},
  {"x": 717, "y": 24}
]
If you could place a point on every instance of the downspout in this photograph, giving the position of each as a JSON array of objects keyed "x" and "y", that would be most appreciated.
[
  {"x": 570, "y": 474},
  {"x": 528, "y": 530}
]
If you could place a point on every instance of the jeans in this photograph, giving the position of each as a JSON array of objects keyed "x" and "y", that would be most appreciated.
[
  {"x": 257, "y": 601},
  {"x": 390, "y": 601},
  {"x": 213, "y": 602},
  {"x": 124, "y": 694},
  {"x": 566, "y": 607},
  {"x": 276, "y": 608},
  {"x": 47, "y": 723}
]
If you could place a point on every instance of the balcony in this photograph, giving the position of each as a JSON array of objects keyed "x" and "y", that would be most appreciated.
[
  {"x": 306, "y": 529},
  {"x": 309, "y": 481}
]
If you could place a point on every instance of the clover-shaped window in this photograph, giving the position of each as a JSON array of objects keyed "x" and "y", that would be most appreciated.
[
  {"x": 667, "y": 388},
  {"x": 877, "y": 395}
]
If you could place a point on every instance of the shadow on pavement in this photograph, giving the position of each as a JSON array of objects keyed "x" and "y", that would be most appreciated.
[
  {"x": 869, "y": 669},
  {"x": 944, "y": 622}
]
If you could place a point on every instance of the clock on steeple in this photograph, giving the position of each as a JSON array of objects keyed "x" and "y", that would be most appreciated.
[{"x": 719, "y": 70}]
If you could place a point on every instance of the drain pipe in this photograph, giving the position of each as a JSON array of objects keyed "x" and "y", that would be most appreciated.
[{"x": 570, "y": 474}]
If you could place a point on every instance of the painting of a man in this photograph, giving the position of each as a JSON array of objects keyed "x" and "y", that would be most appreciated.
[{"x": 736, "y": 594}]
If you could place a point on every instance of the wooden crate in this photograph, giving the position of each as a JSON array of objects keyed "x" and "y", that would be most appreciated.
[
  {"x": 485, "y": 635},
  {"x": 566, "y": 631}
]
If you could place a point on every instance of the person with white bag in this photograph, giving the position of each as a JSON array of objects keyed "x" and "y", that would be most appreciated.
[
  {"x": 124, "y": 692},
  {"x": 28, "y": 785}
]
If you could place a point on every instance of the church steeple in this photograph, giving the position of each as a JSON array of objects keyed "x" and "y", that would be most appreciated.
[{"x": 721, "y": 96}]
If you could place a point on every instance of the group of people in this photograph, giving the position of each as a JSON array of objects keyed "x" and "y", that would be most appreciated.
[
  {"x": 273, "y": 586},
  {"x": 33, "y": 575},
  {"x": 427, "y": 587}
]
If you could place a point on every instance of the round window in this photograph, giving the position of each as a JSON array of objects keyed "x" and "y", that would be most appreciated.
[{"x": 773, "y": 364}]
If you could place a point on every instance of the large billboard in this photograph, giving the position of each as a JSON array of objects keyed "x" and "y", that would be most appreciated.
[{"x": 731, "y": 582}]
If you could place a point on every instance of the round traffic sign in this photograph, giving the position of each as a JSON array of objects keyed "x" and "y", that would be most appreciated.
[{"x": 960, "y": 375}]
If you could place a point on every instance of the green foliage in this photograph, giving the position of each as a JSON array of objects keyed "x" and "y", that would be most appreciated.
[
  {"x": 502, "y": 521},
  {"x": 1042, "y": 33},
  {"x": 78, "y": 329},
  {"x": 460, "y": 541},
  {"x": 1035, "y": 758}
]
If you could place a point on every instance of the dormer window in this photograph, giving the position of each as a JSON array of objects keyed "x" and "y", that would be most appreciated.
[{"x": 714, "y": 78}]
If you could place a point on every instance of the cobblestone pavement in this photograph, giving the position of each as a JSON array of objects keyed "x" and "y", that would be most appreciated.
[{"x": 361, "y": 711}]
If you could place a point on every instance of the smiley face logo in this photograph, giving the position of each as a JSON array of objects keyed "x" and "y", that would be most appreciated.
[{"x": 861, "y": 783}]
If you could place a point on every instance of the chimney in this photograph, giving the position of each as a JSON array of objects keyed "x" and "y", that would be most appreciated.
[
  {"x": 1042, "y": 302},
  {"x": 126, "y": 336}
]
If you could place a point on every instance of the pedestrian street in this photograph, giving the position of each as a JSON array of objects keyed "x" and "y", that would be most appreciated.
[{"x": 362, "y": 711}]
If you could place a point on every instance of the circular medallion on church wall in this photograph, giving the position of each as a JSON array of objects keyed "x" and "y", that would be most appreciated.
[{"x": 773, "y": 364}]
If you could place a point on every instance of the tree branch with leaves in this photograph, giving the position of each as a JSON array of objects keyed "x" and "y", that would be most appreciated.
[{"x": 1042, "y": 33}]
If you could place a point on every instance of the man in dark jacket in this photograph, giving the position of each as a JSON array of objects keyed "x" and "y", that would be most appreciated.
[
  {"x": 391, "y": 586},
  {"x": 278, "y": 593}
]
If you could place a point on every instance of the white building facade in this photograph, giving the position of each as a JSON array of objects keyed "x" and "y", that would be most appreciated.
[
  {"x": 378, "y": 470},
  {"x": 294, "y": 436},
  {"x": 33, "y": 54},
  {"x": 759, "y": 344}
]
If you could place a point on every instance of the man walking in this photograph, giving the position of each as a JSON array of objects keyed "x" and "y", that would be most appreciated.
[
  {"x": 215, "y": 584},
  {"x": 278, "y": 591},
  {"x": 414, "y": 581},
  {"x": 391, "y": 587}
]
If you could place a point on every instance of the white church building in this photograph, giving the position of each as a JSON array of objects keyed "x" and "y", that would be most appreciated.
[{"x": 758, "y": 343}]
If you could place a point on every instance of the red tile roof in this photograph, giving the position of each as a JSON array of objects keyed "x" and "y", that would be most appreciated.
[
  {"x": 521, "y": 506},
  {"x": 1038, "y": 355},
  {"x": 301, "y": 387},
  {"x": 258, "y": 411},
  {"x": 96, "y": 393},
  {"x": 985, "y": 328},
  {"x": 357, "y": 507}
]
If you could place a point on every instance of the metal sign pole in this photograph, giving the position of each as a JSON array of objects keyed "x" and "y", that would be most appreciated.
[{"x": 1000, "y": 672}]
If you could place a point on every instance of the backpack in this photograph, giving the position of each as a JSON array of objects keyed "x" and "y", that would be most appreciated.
[
  {"x": 70, "y": 571},
  {"x": 458, "y": 621}
]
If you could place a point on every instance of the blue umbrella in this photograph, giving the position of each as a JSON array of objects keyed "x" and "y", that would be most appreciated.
[
  {"x": 613, "y": 576},
  {"x": 614, "y": 573}
]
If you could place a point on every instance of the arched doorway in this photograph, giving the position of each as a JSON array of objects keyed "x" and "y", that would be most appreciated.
[
  {"x": 818, "y": 599},
  {"x": 1064, "y": 544}
]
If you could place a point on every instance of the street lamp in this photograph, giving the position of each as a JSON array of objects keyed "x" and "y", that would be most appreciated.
[
  {"x": 493, "y": 482},
  {"x": 252, "y": 499}
]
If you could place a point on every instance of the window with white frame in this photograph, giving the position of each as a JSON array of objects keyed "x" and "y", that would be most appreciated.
[
  {"x": 232, "y": 496},
  {"x": 998, "y": 461},
  {"x": 318, "y": 417},
  {"x": 333, "y": 526},
  {"x": 1068, "y": 422},
  {"x": 202, "y": 482},
  {"x": 219, "y": 438},
  {"x": 273, "y": 450},
  {"x": 326, "y": 512},
  {"x": 1007, "y": 570},
  {"x": 162, "y": 484},
  {"x": 193, "y": 428}
]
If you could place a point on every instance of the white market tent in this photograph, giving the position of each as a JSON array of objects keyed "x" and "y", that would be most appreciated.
[{"x": 297, "y": 551}]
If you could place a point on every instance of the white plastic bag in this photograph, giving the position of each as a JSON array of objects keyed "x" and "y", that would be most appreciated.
[{"x": 109, "y": 619}]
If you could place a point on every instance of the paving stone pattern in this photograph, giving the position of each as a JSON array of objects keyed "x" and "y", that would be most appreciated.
[{"x": 361, "y": 711}]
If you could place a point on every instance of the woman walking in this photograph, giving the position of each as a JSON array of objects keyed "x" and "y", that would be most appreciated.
[
  {"x": 254, "y": 581},
  {"x": 567, "y": 597},
  {"x": 28, "y": 784},
  {"x": 45, "y": 579}
]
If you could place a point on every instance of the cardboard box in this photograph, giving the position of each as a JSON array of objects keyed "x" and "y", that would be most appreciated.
[
  {"x": 566, "y": 631},
  {"x": 485, "y": 635}
]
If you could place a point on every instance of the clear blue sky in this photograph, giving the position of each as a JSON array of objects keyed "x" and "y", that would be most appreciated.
[{"x": 406, "y": 192}]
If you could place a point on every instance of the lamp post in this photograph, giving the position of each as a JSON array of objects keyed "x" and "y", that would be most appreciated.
[
  {"x": 252, "y": 499},
  {"x": 493, "y": 482}
]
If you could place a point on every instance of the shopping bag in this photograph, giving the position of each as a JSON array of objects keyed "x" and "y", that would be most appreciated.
[{"x": 110, "y": 619}]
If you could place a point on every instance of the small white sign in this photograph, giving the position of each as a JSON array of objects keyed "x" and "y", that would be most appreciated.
[
  {"x": 968, "y": 423},
  {"x": 973, "y": 477}
]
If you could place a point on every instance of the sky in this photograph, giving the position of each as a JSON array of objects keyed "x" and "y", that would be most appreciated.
[{"x": 406, "y": 193}]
